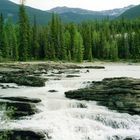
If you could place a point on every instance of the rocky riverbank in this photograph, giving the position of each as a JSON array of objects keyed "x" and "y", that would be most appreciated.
[
  {"x": 121, "y": 94},
  {"x": 29, "y": 74}
]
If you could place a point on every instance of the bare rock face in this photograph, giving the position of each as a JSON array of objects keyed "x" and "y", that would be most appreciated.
[{"x": 122, "y": 94}]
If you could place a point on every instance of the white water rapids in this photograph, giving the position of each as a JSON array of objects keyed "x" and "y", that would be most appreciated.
[{"x": 64, "y": 119}]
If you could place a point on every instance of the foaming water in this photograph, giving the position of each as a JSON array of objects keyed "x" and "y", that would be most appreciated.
[{"x": 64, "y": 119}]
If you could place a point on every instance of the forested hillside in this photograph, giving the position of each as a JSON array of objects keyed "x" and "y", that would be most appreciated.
[
  {"x": 108, "y": 40},
  {"x": 10, "y": 9},
  {"x": 132, "y": 13}
]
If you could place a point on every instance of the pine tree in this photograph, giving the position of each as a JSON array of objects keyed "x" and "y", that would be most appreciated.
[
  {"x": 88, "y": 42},
  {"x": 72, "y": 30},
  {"x": 35, "y": 44},
  {"x": 67, "y": 43},
  {"x": 113, "y": 50},
  {"x": 106, "y": 50},
  {"x": 57, "y": 37},
  {"x": 1, "y": 34},
  {"x": 96, "y": 44},
  {"x": 23, "y": 34},
  {"x": 126, "y": 45},
  {"x": 15, "y": 55},
  {"x": 78, "y": 47},
  {"x": 44, "y": 50},
  {"x": 12, "y": 47},
  {"x": 137, "y": 45},
  {"x": 5, "y": 45}
]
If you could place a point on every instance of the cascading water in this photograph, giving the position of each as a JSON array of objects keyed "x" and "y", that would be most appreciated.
[{"x": 64, "y": 119}]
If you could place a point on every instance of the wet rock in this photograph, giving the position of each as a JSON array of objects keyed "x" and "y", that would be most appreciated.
[
  {"x": 7, "y": 86},
  {"x": 21, "y": 135},
  {"x": 39, "y": 72},
  {"x": 51, "y": 75},
  {"x": 67, "y": 71},
  {"x": 59, "y": 72},
  {"x": 23, "y": 80},
  {"x": 94, "y": 67},
  {"x": 19, "y": 106},
  {"x": 128, "y": 139},
  {"x": 52, "y": 91},
  {"x": 120, "y": 94},
  {"x": 71, "y": 76},
  {"x": 56, "y": 79},
  {"x": 19, "y": 109},
  {"x": 22, "y": 99},
  {"x": 82, "y": 105}
]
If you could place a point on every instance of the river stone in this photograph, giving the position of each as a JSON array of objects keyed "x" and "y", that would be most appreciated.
[
  {"x": 119, "y": 94},
  {"x": 128, "y": 139},
  {"x": 21, "y": 135},
  {"x": 52, "y": 91},
  {"x": 7, "y": 86},
  {"x": 71, "y": 76},
  {"x": 94, "y": 67}
]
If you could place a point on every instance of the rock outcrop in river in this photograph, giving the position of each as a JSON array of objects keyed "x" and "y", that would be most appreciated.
[
  {"x": 19, "y": 106},
  {"x": 21, "y": 135},
  {"x": 121, "y": 94},
  {"x": 21, "y": 78}
]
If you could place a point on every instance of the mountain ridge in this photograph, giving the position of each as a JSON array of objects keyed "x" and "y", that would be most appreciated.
[
  {"x": 10, "y": 9},
  {"x": 65, "y": 9},
  {"x": 131, "y": 13}
]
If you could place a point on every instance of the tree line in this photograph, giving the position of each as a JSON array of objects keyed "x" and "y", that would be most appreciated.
[{"x": 106, "y": 39}]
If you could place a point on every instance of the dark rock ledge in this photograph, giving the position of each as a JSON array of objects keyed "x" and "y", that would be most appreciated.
[
  {"x": 121, "y": 94},
  {"x": 22, "y": 79},
  {"x": 21, "y": 135},
  {"x": 17, "y": 107}
]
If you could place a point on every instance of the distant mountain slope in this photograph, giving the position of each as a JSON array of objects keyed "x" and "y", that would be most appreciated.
[
  {"x": 132, "y": 13},
  {"x": 70, "y": 17},
  {"x": 64, "y": 9},
  {"x": 117, "y": 12},
  {"x": 114, "y": 12},
  {"x": 10, "y": 9}
]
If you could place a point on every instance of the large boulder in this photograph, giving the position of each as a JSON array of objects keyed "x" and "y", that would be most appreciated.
[{"x": 122, "y": 94}]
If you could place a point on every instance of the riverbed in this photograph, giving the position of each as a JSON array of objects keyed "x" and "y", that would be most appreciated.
[{"x": 64, "y": 119}]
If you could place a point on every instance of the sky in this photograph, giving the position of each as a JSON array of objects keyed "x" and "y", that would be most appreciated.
[{"x": 95, "y": 5}]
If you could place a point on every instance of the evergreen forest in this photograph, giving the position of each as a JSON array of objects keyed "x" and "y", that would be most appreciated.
[{"x": 113, "y": 40}]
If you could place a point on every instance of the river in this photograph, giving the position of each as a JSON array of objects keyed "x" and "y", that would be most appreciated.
[{"x": 65, "y": 119}]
